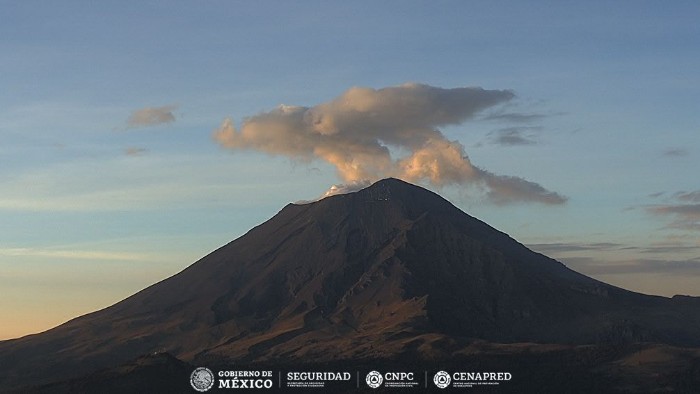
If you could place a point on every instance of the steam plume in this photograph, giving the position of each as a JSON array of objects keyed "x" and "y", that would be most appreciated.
[{"x": 355, "y": 132}]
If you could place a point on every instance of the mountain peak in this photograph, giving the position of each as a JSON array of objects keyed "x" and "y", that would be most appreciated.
[
  {"x": 374, "y": 273},
  {"x": 382, "y": 189},
  {"x": 390, "y": 197}
]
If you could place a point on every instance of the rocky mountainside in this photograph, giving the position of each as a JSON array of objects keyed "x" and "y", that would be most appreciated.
[{"x": 389, "y": 270}]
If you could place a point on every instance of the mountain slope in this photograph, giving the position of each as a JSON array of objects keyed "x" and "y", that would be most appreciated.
[{"x": 393, "y": 268}]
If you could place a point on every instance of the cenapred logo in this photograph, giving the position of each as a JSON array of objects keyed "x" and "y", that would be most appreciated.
[
  {"x": 202, "y": 379},
  {"x": 442, "y": 379},
  {"x": 374, "y": 379}
]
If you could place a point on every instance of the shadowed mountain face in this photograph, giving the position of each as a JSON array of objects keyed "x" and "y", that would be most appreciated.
[{"x": 392, "y": 269}]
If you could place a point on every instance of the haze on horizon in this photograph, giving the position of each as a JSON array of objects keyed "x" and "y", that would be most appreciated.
[{"x": 139, "y": 137}]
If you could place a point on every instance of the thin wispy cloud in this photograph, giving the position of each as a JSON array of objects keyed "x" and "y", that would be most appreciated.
[
  {"x": 152, "y": 116},
  {"x": 675, "y": 152},
  {"x": 683, "y": 211},
  {"x": 120, "y": 183},
  {"x": 514, "y": 136},
  {"x": 135, "y": 151},
  {"x": 555, "y": 248},
  {"x": 635, "y": 266},
  {"x": 671, "y": 248},
  {"x": 623, "y": 264},
  {"x": 685, "y": 216},
  {"x": 360, "y": 131},
  {"x": 564, "y": 247},
  {"x": 515, "y": 117},
  {"x": 688, "y": 196}
]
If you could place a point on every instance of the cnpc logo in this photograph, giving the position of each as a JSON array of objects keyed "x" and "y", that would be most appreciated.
[{"x": 375, "y": 379}]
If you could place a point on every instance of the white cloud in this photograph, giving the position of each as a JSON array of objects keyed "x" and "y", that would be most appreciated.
[{"x": 355, "y": 132}]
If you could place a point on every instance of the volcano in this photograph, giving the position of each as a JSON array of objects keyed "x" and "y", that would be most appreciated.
[{"x": 391, "y": 270}]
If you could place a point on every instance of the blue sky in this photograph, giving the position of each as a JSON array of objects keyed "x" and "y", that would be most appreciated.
[{"x": 94, "y": 207}]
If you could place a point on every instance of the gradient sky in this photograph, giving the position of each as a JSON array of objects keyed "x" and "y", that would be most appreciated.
[{"x": 111, "y": 180}]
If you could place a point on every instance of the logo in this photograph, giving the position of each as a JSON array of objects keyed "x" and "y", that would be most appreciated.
[
  {"x": 474, "y": 379},
  {"x": 374, "y": 379},
  {"x": 400, "y": 379},
  {"x": 442, "y": 379},
  {"x": 245, "y": 379},
  {"x": 317, "y": 379},
  {"x": 202, "y": 379}
]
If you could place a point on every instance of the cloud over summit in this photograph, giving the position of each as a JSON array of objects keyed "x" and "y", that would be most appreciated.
[{"x": 361, "y": 131}]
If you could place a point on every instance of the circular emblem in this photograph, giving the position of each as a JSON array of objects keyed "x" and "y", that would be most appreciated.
[
  {"x": 202, "y": 379},
  {"x": 442, "y": 379},
  {"x": 374, "y": 379}
]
